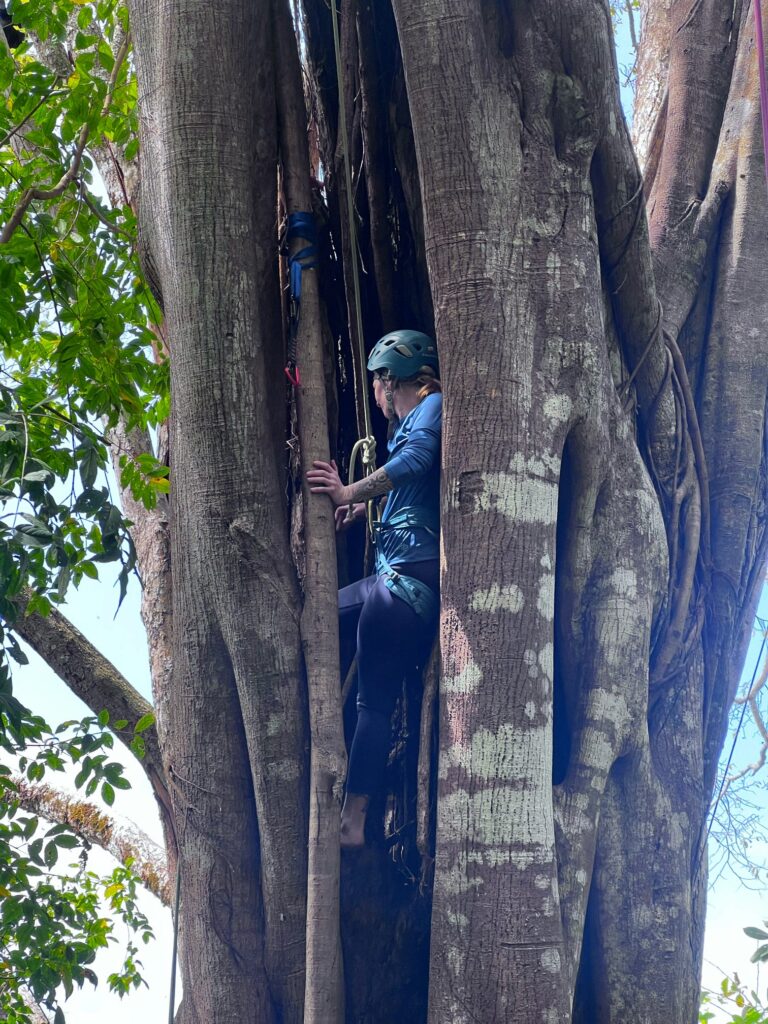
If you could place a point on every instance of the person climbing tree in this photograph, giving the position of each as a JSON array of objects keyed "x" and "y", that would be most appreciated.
[{"x": 392, "y": 615}]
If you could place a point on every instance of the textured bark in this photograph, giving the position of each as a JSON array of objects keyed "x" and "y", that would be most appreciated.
[
  {"x": 651, "y": 80},
  {"x": 324, "y": 986},
  {"x": 375, "y": 156},
  {"x": 516, "y": 271},
  {"x": 235, "y": 746},
  {"x": 150, "y": 535},
  {"x": 604, "y": 505}
]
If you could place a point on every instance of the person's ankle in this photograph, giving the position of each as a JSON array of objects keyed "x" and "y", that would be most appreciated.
[{"x": 352, "y": 829}]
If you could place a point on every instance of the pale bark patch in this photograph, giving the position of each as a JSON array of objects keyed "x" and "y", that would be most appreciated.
[
  {"x": 606, "y": 706},
  {"x": 497, "y": 598},
  {"x": 558, "y": 408},
  {"x": 546, "y": 599},
  {"x": 464, "y": 682},
  {"x": 512, "y": 822},
  {"x": 624, "y": 582},
  {"x": 597, "y": 751},
  {"x": 550, "y": 960},
  {"x": 520, "y": 499},
  {"x": 546, "y": 661},
  {"x": 508, "y": 753}
]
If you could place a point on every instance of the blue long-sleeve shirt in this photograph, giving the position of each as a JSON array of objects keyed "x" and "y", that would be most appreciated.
[{"x": 414, "y": 469}]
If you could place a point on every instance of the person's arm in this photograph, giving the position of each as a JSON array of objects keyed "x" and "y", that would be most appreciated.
[
  {"x": 372, "y": 486},
  {"x": 421, "y": 450},
  {"x": 324, "y": 478},
  {"x": 417, "y": 456}
]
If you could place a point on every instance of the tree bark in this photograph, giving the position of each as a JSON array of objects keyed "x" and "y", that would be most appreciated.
[
  {"x": 604, "y": 503},
  {"x": 235, "y": 749},
  {"x": 324, "y": 985},
  {"x": 516, "y": 262}
]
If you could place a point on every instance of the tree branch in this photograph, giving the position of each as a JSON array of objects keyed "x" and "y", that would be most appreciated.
[
  {"x": 123, "y": 840},
  {"x": 17, "y": 128},
  {"x": 632, "y": 28},
  {"x": 150, "y": 535},
  {"x": 92, "y": 678},
  {"x": 71, "y": 173}
]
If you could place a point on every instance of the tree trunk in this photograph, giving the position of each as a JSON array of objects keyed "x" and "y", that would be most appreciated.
[
  {"x": 604, "y": 492},
  {"x": 324, "y": 987},
  {"x": 528, "y": 184},
  {"x": 235, "y": 751}
]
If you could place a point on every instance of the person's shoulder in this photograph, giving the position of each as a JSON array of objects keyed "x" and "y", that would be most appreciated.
[{"x": 430, "y": 409}]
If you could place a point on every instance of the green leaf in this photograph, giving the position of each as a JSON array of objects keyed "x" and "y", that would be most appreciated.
[
  {"x": 69, "y": 842},
  {"x": 756, "y": 933},
  {"x": 51, "y": 855},
  {"x": 89, "y": 467},
  {"x": 144, "y": 723},
  {"x": 103, "y": 717},
  {"x": 108, "y": 794}
]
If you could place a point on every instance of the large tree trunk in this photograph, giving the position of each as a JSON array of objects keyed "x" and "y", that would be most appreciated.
[
  {"x": 235, "y": 749},
  {"x": 604, "y": 491},
  {"x": 532, "y": 210}
]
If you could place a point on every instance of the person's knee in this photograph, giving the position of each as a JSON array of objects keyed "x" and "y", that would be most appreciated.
[{"x": 375, "y": 704}]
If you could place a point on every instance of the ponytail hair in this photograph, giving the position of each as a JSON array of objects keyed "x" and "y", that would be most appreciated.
[{"x": 427, "y": 382}]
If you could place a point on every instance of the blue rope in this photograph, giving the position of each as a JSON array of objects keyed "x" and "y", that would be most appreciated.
[{"x": 300, "y": 225}]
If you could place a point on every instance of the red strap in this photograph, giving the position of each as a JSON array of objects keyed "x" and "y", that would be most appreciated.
[{"x": 291, "y": 371}]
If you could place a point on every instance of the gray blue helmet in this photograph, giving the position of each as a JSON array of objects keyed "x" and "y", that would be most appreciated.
[{"x": 403, "y": 354}]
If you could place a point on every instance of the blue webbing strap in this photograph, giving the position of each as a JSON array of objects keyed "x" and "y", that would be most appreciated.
[
  {"x": 300, "y": 225},
  {"x": 414, "y": 592}
]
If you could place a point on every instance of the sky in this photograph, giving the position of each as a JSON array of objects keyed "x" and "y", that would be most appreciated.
[{"x": 121, "y": 638}]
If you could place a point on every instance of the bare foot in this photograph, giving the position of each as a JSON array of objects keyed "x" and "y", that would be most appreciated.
[{"x": 352, "y": 832}]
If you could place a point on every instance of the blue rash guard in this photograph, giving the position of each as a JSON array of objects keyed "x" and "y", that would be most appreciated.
[{"x": 414, "y": 469}]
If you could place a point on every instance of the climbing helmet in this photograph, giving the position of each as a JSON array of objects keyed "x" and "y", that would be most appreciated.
[{"x": 403, "y": 354}]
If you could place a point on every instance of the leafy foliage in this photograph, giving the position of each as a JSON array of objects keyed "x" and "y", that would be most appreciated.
[
  {"x": 76, "y": 319},
  {"x": 53, "y": 923},
  {"x": 79, "y": 353},
  {"x": 733, "y": 1003},
  {"x": 761, "y": 953}
]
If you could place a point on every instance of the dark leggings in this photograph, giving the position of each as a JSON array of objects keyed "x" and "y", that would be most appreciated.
[{"x": 391, "y": 640}]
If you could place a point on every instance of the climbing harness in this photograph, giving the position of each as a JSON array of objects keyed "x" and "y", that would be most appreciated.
[
  {"x": 763, "y": 81},
  {"x": 365, "y": 448},
  {"x": 300, "y": 225},
  {"x": 414, "y": 592}
]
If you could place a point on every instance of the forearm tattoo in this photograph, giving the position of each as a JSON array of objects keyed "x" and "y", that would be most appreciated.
[{"x": 371, "y": 486}]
